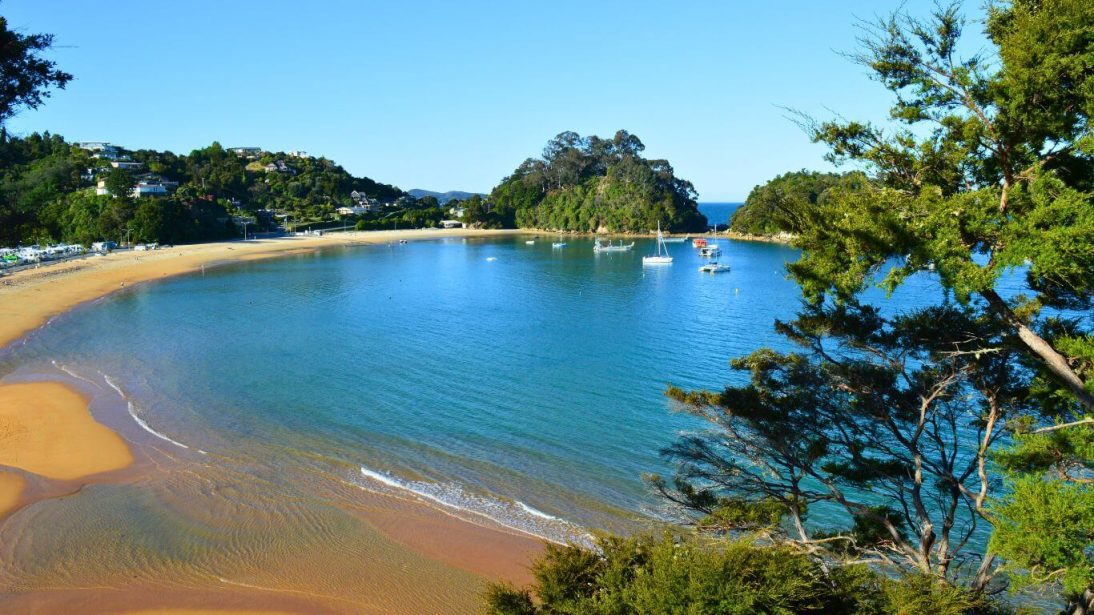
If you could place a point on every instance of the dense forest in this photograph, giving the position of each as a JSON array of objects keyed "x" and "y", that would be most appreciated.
[
  {"x": 779, "y": 205},
  {"x": 590, "y": 184},
  {"x": 48, "y": 192}
]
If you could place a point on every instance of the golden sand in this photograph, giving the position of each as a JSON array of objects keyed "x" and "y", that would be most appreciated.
[
  {"x": 45, "y": 428},
  {"x": 11, "y": 487},
  {"x": 202, "y": 612},
  {"x": 30, "y": 297}
]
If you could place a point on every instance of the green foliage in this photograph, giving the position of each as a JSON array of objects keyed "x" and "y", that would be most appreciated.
[
  {"x": 986, "y": 168},
  {"x": 918, "y": 594},
  {"x": 591, "y": 184},
  {"x": 1045, "y": 530},
  {"x": 780, "y": 205},
  {"x": 25, "y": 77},
  {"x": 120, "y": 183},
  {"x": 884, "y": 422},
  {"x": 690, "y": 575},
  {"x": 44, "y": 196}
]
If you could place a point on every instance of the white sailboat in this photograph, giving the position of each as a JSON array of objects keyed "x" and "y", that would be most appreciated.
[{"x": 659, "y": 259}]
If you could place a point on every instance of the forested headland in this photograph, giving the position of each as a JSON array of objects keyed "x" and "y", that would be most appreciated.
[{"x": 590, "y": 184}]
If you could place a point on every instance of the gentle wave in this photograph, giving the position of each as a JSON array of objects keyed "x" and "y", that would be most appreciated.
[
  {"x": 132, "y": 409},
  {"x": 514, "y": 515},
  {"x": 65, "y": 369}
]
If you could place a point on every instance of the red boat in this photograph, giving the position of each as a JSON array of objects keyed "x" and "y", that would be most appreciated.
[{"x": 698, "y": 242}]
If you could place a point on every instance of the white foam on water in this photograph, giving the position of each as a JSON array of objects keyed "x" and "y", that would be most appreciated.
[
  {"x": 65, "y": 369},
  {"x": 144, "y": 425},
  {"x": 535, "y": 511},
  {"x": 514, "y": 514}
]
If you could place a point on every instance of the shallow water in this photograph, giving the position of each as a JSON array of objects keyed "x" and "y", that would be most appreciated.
[{"x": 505, "y": 383}]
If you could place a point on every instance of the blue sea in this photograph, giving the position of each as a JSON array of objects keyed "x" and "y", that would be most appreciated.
[{"x": 505, "y": 383}]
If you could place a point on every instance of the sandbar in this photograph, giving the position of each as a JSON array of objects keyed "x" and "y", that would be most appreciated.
[{"x": 46, "y": 429}]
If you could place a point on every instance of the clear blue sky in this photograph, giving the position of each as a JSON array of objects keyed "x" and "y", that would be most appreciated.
[{"x": 453, "y": 95}]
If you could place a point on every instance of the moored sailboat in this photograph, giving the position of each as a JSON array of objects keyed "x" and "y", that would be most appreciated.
[{"x": 661, "y": 258}]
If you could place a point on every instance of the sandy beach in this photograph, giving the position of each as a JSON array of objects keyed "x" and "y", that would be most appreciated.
[{"x": 46, "y": 429}]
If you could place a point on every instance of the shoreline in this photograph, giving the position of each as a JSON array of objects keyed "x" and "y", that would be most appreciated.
[{"x": 29, "y": 299}]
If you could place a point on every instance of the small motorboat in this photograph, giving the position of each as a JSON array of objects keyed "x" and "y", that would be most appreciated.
[
  {"x": 608, "y": 247},
  {"x": 714, "y": 267},
  {"x": 698, "y": 242},
  {"x": 710, "y": 251},
  {"x": 558, "y": 244},
  {"x": 530, "y": 242}
]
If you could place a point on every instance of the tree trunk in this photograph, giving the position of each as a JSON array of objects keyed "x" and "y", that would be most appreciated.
[
  {"x": 1084, "y": 605},
  {"x": 1054, "y": 361}
]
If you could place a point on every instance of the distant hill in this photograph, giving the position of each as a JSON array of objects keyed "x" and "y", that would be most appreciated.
[{"x": 443, "y": 197}]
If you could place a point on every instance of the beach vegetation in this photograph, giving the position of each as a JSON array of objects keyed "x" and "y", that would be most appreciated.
[{"x": 689, "y": 573}]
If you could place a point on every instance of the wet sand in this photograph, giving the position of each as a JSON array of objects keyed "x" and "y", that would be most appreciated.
[{"x": 11, "y": 491}]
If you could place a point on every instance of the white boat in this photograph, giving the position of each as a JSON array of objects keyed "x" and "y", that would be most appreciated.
[
  {"x": 660, "y": 258},
  {"x": 678, "y": 239},
  {"x": 714, "y": 267},
  {"x": 530, "y": 242},
  {"x": 710, "y": 251},
  {"x": 558, "y": 244},
  {"x": 608, "y": 247}
]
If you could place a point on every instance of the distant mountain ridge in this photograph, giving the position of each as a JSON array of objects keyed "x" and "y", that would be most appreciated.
[{"x": 443, "y": 197}]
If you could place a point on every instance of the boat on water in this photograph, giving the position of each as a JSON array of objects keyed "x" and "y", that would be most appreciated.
[
  {"x": 710, "y": 251},
  {"x": 662, "y": 257},
  {"x": 530, "y": 242},
  {"x": 599, "y": 247},
  {"x": 684, "y": 239},
  {"x": 558, "y": 244},
  {"x": 714, "y": 267},
  {"x": 698, "y": 242}
]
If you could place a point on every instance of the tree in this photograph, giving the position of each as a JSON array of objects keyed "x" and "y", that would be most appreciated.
[
  {"x": 25, "y": 77},
  {"x": 778, "y": 205},
  {"x": 1003, "y": 177},
  {"x": 902, "y": 425},
  {"x": 887, "y": 423},
  {"x": 593, "y": 184},
  {"x": 120, "y": 182},
  {"x": 689, "y": 574}
]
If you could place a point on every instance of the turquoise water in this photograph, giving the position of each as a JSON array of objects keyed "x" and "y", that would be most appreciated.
[{"x": 489, "y": 377}]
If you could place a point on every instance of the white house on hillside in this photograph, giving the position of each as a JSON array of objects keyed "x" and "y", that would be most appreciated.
[{"x": 246, "y": 152}]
